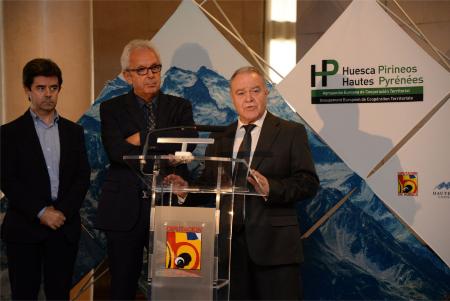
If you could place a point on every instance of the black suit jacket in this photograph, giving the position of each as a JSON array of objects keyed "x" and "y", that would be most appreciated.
[
  {"x": 283, "y": 156},
  {"x": 26, "y": 183},
  {"x": 120, "y": 202}
]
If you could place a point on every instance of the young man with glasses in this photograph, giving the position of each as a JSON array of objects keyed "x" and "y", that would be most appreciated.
[{"x": 123, "y": 210}]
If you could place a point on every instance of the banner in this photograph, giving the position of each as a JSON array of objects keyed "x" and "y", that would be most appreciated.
[{"x": 362, "y": 87}]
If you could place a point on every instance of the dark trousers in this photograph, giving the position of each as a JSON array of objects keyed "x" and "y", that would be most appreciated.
[
  {"x": 53, "y": 258},
  {"x": 250, "y": 281},
  {"x": 125, "y": 251}
]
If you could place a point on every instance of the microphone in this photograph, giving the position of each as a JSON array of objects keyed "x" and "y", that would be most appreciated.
[
  {"x": 196, "y": 127},
  {"x": 209, "y": 128}
]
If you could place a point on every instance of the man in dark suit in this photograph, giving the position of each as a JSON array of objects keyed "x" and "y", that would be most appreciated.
[
  {"x": 45, "y": 176},
  {"x": 266, "y": 248},
  {"x": 123, "y": 210}
]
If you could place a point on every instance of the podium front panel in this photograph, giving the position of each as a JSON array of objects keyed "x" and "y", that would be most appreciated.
[{"x": 182, "y": 263}]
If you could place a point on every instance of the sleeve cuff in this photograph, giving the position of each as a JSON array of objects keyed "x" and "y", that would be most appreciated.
[{"x": 40, "y": 213}]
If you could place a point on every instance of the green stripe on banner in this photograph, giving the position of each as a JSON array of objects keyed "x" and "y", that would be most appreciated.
[
  {"x": 367, "y": 95},
  {"x": 367, "y": 91}
]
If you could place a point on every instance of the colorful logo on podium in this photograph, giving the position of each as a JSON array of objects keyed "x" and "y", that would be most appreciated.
[
  {"x": 183, "y": 247},
  {"x": 408, "y": 183}
]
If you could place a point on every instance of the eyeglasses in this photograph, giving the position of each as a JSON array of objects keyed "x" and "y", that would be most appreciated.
[{"x": 144, "y": 70}]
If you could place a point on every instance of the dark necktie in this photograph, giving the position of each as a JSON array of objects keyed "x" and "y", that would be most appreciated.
[
  {"x": 150, "y": 116},
  {"x": 150, "y": 126},
  {"x": 241, "y": 173},
  {"x": 244, "y": 153}
]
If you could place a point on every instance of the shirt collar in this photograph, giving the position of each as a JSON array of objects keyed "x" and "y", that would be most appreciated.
[
  {"x": 37, "y": 118},
  {"x": 142, "y": 102},
  {"x": 258, "y": 122}
]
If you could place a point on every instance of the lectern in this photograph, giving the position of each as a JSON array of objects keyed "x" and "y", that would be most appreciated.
[{"x": 189, "y": 247}]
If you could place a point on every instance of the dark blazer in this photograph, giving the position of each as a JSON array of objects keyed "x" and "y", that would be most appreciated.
[
  {"x": 119, "y": 203},
  {"x": 26, "y": 183},
  {"x": 283, "y": 156}
]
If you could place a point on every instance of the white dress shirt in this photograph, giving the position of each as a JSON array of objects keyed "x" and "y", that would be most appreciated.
[{"x": 240, "y": 132}]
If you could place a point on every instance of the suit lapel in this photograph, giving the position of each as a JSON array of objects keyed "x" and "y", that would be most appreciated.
[
  {"x": 134, "y": 111},
  {"x": 225, "y": 145},
  {"x": 228, "y": 141},
  {"x": 162, "y": 110},
  {"x": 269, "y": 132},
  {"x": 64, "y": 146},
  {"x": 34, "y": 147}
]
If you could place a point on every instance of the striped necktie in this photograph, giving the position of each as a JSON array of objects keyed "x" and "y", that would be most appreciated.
[{"x": 150, "y": 116}]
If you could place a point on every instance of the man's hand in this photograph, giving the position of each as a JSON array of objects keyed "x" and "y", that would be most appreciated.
[
  {"x": 259, "y": 182},
  {"x": 177, "y": 160},
  {"x": 178, "y": 184},
  {"x": 134, "y": 139},
  {"x": 52, "y": 218}
]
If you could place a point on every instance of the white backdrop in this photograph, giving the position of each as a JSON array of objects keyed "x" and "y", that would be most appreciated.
[{"x": 363, "y": 133}]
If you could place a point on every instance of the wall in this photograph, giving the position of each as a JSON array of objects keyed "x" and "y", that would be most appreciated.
[
  {"x": 117, "y": 22},
  {"x": 432, "y": 17},
  {"x": 60, "y": 30},
  {"x": 69, "y": 39}
]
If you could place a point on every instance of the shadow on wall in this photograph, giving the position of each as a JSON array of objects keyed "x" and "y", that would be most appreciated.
[{"x": 191, "y": 56}]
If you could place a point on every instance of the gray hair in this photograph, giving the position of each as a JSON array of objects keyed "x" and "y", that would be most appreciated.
[
  {"x": 247, "y": 69},
  {"x": 132, "y": 45}
]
